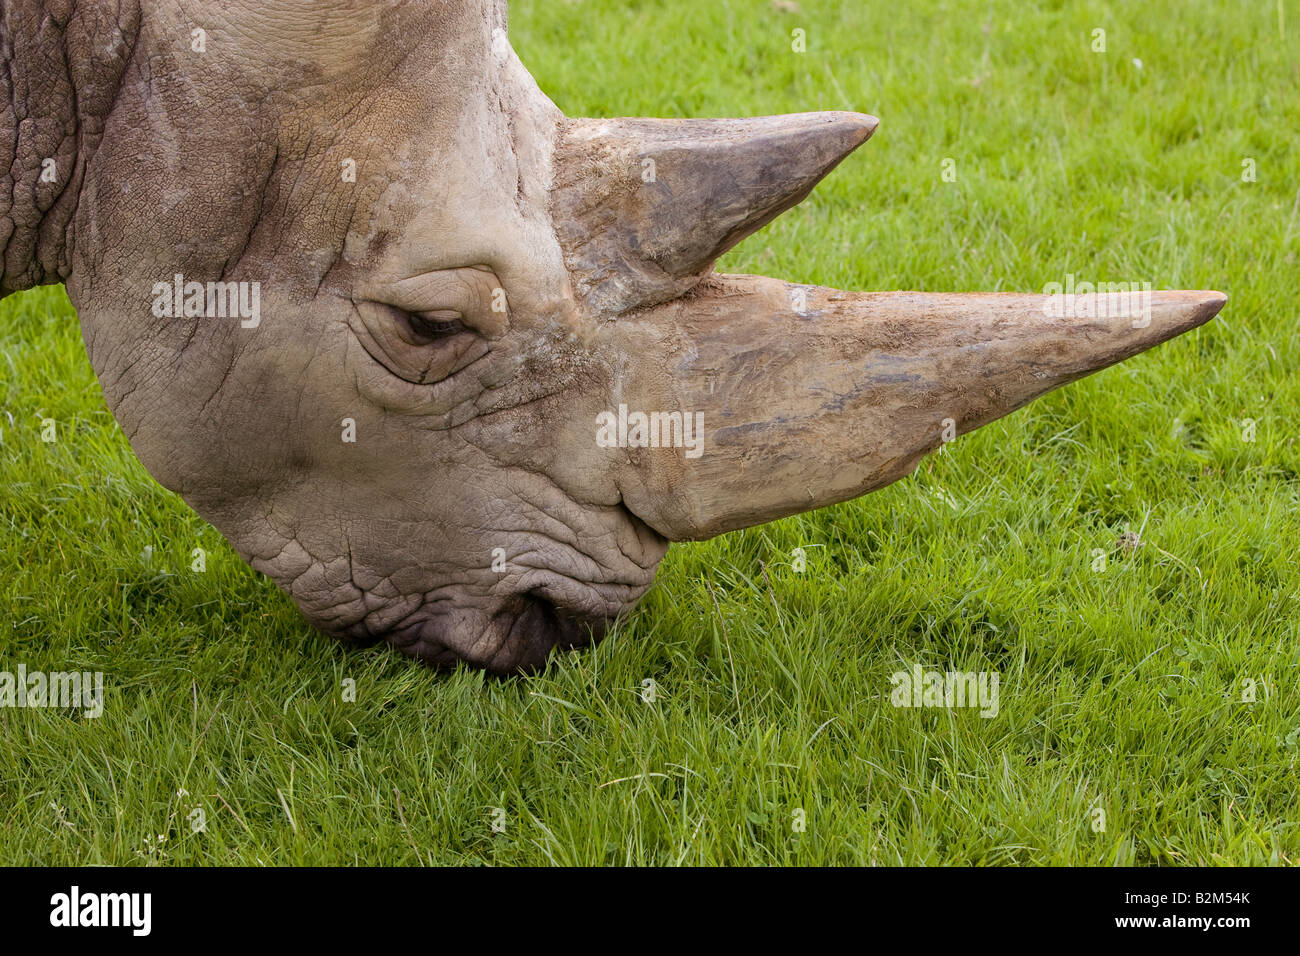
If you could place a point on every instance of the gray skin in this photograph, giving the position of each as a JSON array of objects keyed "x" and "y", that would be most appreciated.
[{"x": 495, "y": 278}]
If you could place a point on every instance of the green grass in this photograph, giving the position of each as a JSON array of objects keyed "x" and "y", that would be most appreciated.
[{"x": 1120, "y": 690}]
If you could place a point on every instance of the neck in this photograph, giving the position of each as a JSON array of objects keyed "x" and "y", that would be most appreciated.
[{"x": 63, "y": 62}]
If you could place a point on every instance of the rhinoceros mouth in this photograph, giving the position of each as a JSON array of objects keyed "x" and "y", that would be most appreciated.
[{"x": 518, "y": 638}]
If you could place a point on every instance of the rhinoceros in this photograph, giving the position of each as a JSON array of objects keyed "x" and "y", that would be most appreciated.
[{"x": 450, "y": 367}]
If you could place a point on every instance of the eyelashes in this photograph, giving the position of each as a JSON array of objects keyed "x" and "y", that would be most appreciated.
[{"x": 435, "y": 325}]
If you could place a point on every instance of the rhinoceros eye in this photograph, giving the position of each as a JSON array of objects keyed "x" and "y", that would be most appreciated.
[
  {"x": 420, "y": 347},
  {"x": 429, "y": 326},
  {"x": 436, "y": 325}
]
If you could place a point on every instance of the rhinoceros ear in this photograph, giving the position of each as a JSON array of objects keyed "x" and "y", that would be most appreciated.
[{"x": 643, "y": 207}]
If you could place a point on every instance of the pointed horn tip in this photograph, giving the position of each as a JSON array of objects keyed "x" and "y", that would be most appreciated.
[
  {"x": 1195, "y": 307},
  {"x": 860, "y": 126},
  {"x": 865, "y": 121},
  {"x": 845, "y": 127},
  {"x": 1211, "y": 303}
]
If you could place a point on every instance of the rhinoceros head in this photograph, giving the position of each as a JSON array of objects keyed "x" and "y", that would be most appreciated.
[{"x": 449, "y": 367}]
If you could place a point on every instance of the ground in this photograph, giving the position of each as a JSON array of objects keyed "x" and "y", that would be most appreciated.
[{"x": 1122, "y": 553}]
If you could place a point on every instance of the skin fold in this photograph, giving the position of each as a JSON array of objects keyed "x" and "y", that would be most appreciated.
[{"x": 454, "y": 284}]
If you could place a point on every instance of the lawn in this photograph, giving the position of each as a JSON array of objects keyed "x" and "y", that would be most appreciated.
[{"x": 1122, "y": 553}]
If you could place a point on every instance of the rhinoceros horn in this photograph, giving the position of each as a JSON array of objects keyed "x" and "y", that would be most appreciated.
[{"x": 477, "y": 370}]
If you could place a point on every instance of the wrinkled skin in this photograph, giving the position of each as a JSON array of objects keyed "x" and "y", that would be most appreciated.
[{"x": 380, "y": 303}]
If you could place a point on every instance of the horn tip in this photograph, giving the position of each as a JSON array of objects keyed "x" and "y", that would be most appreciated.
[
  {"x": 1206, "y": 304},
  {"x": 864, "y": 121},
  {"x": 857, "y": 127},
  {"x": 1213, "y": 302}
]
